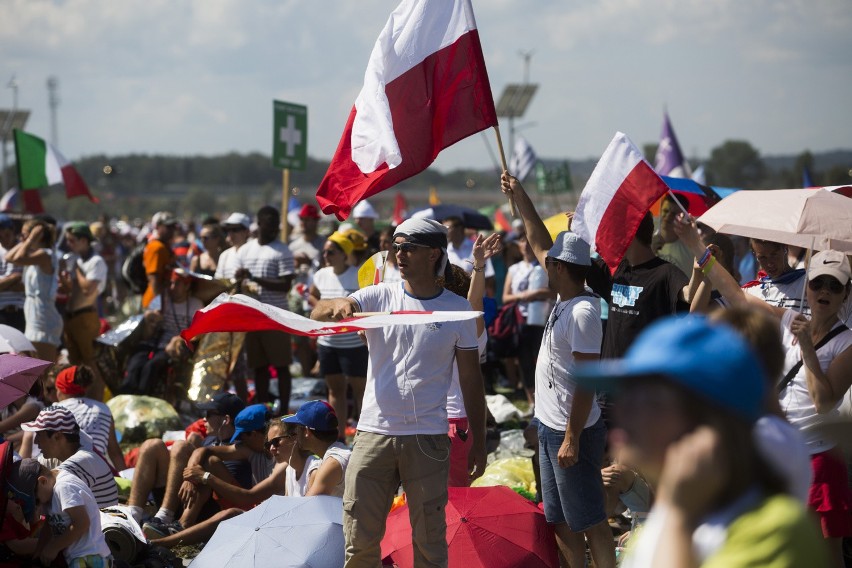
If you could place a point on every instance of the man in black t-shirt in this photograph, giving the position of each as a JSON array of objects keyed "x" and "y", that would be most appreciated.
[{"x": 643, "y": 289}]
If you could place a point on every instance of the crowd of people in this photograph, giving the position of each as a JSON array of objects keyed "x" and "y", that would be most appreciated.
[{"x": 713, "y": 434}]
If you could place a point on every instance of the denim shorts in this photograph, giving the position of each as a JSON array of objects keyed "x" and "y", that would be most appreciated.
[{"x": 573, "y": 495}]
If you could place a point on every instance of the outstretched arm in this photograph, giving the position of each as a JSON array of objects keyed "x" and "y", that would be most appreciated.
[
  {"x": 334, "y": 309},
  {"x": 537, "y": 234}
]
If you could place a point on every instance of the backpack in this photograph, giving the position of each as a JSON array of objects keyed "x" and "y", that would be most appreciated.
[
  {"x": 505, "y": 330},
  {"x": 133, "y": 270}
]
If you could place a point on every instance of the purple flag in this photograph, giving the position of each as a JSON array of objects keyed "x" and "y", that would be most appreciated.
[{"x": 669, "y": 160}]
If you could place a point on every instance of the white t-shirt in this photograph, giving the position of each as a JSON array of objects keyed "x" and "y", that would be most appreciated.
[
  {"x": 411, "y": 367},
  {"x": 338, "y": 452},
  {"x": 331, "y": 285},
  {"x": 70, "y": 492},
  {"x": 463, "y": 253},
  {"x": 272, "y": 260},
  {"x": 227, "y": 264},
  {"x": 95, "y": 472},
  {"x": 574, "y": 326},
  {"x": 298, "y": 486},
  {"x": 795, "y": 399},
  {"x": 95, "y": 268},
  {"x": 455, "y": 401},
  {"x": 94, "y": 417},
  {"x": 787, "y": 295}
]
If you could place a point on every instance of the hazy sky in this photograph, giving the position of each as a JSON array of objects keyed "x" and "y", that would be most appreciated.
[{"x": 198, "y": 77}]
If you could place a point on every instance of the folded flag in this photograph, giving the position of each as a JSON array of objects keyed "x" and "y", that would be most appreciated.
[
  {"x": 425, "y": 88},
  {"x": 669, "y": 160},
  {"x": 523, "y": 159},
  {"x": 621, "y": 189},
  {"x": 41, "y": 165},
  {"x": 239, "y": 313}
]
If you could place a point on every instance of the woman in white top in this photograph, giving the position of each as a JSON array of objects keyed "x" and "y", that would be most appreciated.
[
  {"x": 811, "y": 391},
  {"x": 342, "y": 358}
]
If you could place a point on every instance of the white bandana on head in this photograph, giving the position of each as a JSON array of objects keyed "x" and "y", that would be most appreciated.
[{"x": 425, "y": 232}]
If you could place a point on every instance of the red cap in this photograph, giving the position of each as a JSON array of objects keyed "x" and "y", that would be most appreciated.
[
  {"x": 65, "y": 382},
  {"x": 309, "y": 211}
]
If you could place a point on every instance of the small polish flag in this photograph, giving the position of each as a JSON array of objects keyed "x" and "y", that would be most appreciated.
[{"x": 622, "y": 188}]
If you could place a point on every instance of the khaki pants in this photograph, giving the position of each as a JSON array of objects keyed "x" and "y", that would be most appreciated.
[{"x": 377, "y": 466}]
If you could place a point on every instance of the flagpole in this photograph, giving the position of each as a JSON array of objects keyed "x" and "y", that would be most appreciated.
[
  {"x": 505, "y": 166},
  {"x": 679, "y": 204}
]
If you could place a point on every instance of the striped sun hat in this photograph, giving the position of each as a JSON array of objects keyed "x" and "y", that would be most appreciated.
[{"x": 53, "y": 418}]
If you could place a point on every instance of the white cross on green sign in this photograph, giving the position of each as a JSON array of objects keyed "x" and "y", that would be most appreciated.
[{"x": 290, "y": 136}]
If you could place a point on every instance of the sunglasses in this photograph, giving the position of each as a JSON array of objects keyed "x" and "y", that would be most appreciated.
[
  {"x": 408, "y": 247},
  {"x": 832, "y": 284},
  {"x": 275, "y": 442}
]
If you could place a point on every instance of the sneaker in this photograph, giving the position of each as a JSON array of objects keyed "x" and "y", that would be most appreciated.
[{"x": 155, "y": 528}]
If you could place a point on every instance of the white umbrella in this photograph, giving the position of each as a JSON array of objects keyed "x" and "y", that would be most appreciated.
[
  {"x": 280, "y": 532},
  {"x": 13, "y": 341},
  {"x": 790, "y": 216}
]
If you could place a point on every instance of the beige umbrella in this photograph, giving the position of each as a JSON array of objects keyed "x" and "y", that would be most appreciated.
[{"x": 799, "y": 217}]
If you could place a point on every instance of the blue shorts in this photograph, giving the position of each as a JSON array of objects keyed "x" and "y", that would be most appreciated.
[
  {"x": 573, "y": 495},
  {"x": 351, "y": 362}
]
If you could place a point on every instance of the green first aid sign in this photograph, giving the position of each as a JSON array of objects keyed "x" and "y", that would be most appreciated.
[{"x": 290, "y": 136}]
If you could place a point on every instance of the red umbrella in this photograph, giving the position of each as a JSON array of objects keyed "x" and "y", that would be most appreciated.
[
  {"x": 486, "y": 527},
  {"x": 17, "y": 375}
]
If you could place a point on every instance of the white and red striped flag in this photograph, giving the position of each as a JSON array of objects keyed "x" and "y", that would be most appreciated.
[
  {"x": 620, "y": 191},
  {"x": 241, "y": 313},
  {"x": 425, "y": 88}
]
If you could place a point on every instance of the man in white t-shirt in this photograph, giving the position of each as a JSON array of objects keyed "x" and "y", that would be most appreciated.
[
  {"x": 85, "y": 277},
  {"x": 571, "y": 432},
  {"x": 236, "y": 228},
  {"x": 402, "y": 432},
  {"x": 460, "y": 252}
]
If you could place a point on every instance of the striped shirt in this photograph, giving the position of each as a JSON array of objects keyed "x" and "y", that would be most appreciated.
[
  {"x": 94, "y": 471},
  {"x": 93, "y": 417},
  {"x": 272, "y": 260}
]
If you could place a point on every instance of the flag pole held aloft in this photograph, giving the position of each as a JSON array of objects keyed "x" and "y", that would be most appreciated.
[{"x": 505, "y": 166}]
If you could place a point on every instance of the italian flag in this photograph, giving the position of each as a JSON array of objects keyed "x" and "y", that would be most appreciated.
[{"x": 41, "y": 165}]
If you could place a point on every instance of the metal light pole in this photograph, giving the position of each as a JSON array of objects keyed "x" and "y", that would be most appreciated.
[{"x": 53, "y": 101}]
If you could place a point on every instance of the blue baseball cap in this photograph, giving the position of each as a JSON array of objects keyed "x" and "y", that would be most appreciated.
[
  {"x": 250, "y": 419},
  {"x": 317, "y": 415},
  {"x": 709, "y": 359}
]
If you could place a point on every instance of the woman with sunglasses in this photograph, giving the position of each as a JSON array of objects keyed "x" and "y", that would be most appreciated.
[
  {"x": 289, "y": 477},
  {"x": 342, "y": 358},
  {"x": 818, "y": 372}
]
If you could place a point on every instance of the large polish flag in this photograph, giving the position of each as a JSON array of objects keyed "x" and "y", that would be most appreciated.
[
  {"x": 41, "y": 165},
  {"x": 425, "y": 88},
  {"x": 620, "y": 191},
  {"x": 239, "y": 313}
]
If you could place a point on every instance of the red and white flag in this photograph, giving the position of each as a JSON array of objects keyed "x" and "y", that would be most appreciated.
[
  {"x": 620, "y": 191},
  {"x": 241, "y": 313},
  {"x": 425, "y": 88}
]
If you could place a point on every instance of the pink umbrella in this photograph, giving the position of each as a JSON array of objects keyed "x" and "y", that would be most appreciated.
[{"x": 17, "y": 375}]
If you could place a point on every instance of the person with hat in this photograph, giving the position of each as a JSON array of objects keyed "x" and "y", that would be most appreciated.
[
  {"x": 342, "y": 358},
  {"x": 41, "y": 282},
  {"x": 688, "y": 392},
  {"x": 11, "y": 282},
  {"x": 84, "y": 277},
  {"x": 73, "y": 526},
  {"x": 158, "y": 256},
  {"x": 571, "y": 430},
  {"x": 159, "y": 468},
  {"x": 59, "y": 437},
  {"x": 402, "y": 431},
  {"x": 246, "y": 445},
  {"x": 818, "y": 370},
  {"x": 146, "y": 367},
  {"x": 236, "y": 228},
  {"x": 365, "y": 216},
  {"x": 268, "y": 263},
  {"x": 307, "y": 245}
]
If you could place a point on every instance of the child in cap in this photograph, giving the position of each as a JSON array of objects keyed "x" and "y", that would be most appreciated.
[{"x": 73, "y": 520}]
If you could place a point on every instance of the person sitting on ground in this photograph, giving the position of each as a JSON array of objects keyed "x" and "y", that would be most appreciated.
[
  {"x": 73, "y": 520},
  {"x": 689, "y": 392},
  {"x": 163, "y": 345},
  {"x": 59, "y": 437},
  {"x": 247, "y": 444},
  {"x": 289, "y": 477},
  {"x": 159, "y": 469}
]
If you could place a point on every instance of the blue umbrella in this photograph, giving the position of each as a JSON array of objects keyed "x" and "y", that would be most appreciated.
[{"x": 471, "y": 218}]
